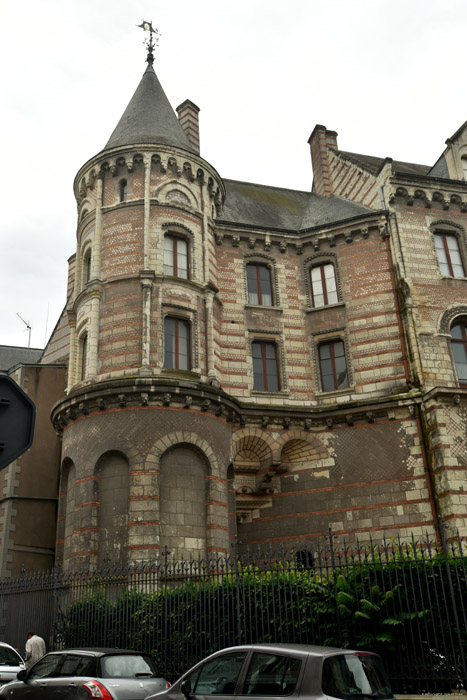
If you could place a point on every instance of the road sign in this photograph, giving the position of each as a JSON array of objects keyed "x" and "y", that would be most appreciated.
[{"x": 17, "y": 417}]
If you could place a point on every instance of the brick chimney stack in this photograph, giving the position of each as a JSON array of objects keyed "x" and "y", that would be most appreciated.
[
  {"x": 189, "y": 121},
  {"x": 320, "y": 141}
]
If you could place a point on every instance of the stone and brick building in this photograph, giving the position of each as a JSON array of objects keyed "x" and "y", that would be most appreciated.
[{"x": 256, "y": 361}]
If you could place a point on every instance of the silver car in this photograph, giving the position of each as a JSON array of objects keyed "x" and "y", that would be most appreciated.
[
  {"x": 81, "y": 674},
  {"x": 10, "y": 663},
  {"x": 283, "y": 670}
]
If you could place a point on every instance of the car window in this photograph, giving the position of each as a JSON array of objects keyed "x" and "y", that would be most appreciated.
[
  {"x": 271, "y": 674},
  {"x": 352, "y": 675},
  {"x": 47, "y": 667},
  {"x": 75, "y": 665},
  {"x": 9, "y": 656},
  {"x": 219, "y": 675},
  {"x": 127, "y": 666}
]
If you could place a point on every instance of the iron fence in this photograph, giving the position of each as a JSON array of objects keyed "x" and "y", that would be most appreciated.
[{"x": 407, "y": 601}]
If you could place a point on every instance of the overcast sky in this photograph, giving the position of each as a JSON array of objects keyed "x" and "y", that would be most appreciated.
[{"x": 388, "y": 75}]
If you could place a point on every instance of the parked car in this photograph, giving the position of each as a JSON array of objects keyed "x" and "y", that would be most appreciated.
[
  {"x": 11, "y": 663},
  {"x": 283, "y": 670},
  {"x": 78, "y": 674}
]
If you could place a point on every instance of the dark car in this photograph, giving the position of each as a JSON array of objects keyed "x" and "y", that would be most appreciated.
[
  {"x": 283, "y": 670},
  {"x": 10, "y": 663},
  {"x": 78, "y": 674}
]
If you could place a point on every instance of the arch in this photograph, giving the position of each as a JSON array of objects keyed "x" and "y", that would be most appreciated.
[
  {"x": 183, "y": 437},
  {"x": 298, "y": 454},
  {"x": 447, "y": 318},
  {"x": 161, "y": 192},
  {"x": 112, "y": 471},
  {"x": 251, "y": 448},
  {"x": 183, "y": 494}
]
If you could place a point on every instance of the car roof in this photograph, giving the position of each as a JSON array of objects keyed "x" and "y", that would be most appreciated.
[
  {"x": 97, "y": 651},
  {"x": 302, "y": 649},
  {"x": 5, "y": 644}
]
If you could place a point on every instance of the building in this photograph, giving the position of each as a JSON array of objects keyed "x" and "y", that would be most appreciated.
[{"x": 256, "y": 361}]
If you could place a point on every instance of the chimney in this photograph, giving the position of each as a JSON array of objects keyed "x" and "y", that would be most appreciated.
[
  {"x": 189, "y": 121},
  {"x": 320, "y": 141}
]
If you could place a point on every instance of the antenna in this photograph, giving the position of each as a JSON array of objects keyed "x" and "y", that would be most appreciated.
[{"x": 28, "y": 327}]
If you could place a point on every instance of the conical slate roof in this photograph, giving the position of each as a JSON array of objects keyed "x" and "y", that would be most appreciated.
[{"x": 149, "y": 118}]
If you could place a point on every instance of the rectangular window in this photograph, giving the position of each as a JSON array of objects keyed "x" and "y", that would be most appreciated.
[
  {"x": 323, "y": 285},
  {"x": 259, "y": 285},
  {"x": 449, "y": 257},
  {"x": 175, "y": 257},
  {"x": 176, "y": 344},
  {"x": 333, "y": 366},
  {"x": 265, "y": 369}
]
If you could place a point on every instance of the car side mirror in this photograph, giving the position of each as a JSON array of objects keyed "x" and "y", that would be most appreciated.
[
  {"x": 22, "y": 675},
  {"x": 185, "y": 688}
]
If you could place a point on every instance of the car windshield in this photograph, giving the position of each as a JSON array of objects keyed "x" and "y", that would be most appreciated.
[
  {"x": 355, "y": 676},
  {"x": 9, "y": 657},
  {"x": 127, "y": 666}
]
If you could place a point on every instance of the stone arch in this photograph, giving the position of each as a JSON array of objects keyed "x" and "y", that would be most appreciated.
[
  {"x": 175, "y": 185},
  {"x": 112, "y": 486},
  {"x": 298, "y": 454},
  {"x": 180, "y": 437},
  {"x": 449, "y": 316},
  {"x": 252, "y": 446}
]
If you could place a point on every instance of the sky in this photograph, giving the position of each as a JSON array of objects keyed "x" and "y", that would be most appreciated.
[{"x": 388, "y": 75}]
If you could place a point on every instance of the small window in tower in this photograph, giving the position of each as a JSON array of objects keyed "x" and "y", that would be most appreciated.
[
  {"x": 83, "y": 356},
  {"x": 87, "y": 267},
  {"x": 176, "y": 343},
  {"x": 123, "y": 190},
  {"x": 175, "y": 257},
  {"x": 464, "y": 167}
]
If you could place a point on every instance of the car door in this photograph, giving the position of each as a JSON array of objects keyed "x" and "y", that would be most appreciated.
[
  {"x": 217, "y": 677},
  {"x": 34, "y": 686},
  {"x": 69, "y": 676},
  {"x": 271, "y": 675}
]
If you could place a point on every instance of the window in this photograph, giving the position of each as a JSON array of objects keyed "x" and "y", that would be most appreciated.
[
  {"x": 323, "y": 285},
  {"x": 123, "y": 190},
  {"x": 333, "y": 366},
  {"x": 259, "y": 284},
  {"x": 217, "y": 676},
  {"x": 177, "y": 344},
  {"x": 464, "y": 167},
  {"x": 271, "y": 674},
  {"x": 83, "y": 357},
  {"x": 87, "y": 267},
  {"x": 46, "y": 667},
  {"x": 449, "y": 257},
  {"x": 265, "y": 369},
  {"x": 175, "y": 257},
  {"x": 459, "y": 350}
]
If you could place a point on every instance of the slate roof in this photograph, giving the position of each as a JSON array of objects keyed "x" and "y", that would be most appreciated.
[
  {"x": 374, "y": 164},
  {"x": 279, "y": 208},
  {"x": 149, "y": 118},
  {"x": 11, "y": 355}
]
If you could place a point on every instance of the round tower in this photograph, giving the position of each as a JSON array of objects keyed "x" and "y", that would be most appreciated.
[{"x": 138, "y": 475}]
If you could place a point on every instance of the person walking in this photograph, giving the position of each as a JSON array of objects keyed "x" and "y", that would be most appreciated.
[{"x": 35, "y": 649}]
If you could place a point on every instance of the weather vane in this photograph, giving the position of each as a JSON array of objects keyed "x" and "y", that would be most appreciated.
[{"x": 153, "y": 41}]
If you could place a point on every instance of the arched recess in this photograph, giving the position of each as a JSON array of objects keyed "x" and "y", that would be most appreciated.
[
  {"x": 112, "y": 471},
  {"x": 67, "y": 508},
  {"x": 183, "y": 494},
  {"x": 298, "y": 454}
]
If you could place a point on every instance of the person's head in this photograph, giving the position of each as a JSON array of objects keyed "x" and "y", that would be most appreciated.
[{"x": 31, "y": 634}]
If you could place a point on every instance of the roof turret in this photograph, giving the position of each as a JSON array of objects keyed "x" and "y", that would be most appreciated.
[{"x": 149, "y": 118}]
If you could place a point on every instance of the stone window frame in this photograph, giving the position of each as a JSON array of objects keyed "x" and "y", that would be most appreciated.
[
  {"x": 314, "y": 261},
  {"x": 269, "y": 262},
  {"x": 450, "y": 318},
  {"x": 86, "y": 264},
  {"x": 191, "y": 317},
  {"x": 449, "y": 228},
  {"x": 83, "y": 355},
  {"x": 256, "y": 335},
  {"x": 123, "y": 190},
  {"x": 329, "y": 336},
  {"x": 176, "y": 230}
]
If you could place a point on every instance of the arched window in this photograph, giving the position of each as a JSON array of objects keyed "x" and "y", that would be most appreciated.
[
  {"x": 87, "y": 266},
  {"x": 176, "y": 343},
  {"x": 259, "y": 284},
  {"x": 459, "y": 350},
  {"x": 333, "y": 365},
  {"x": 323, "y": 285},
  {"x": 449, "y": 255},
  {"x": 123, "y": 190},
  {"x": 265, "y": 366},
  {"x": 175, "y": 257}
]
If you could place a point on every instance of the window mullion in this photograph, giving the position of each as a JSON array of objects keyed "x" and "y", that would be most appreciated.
[
  {"x": 448, "y": 255},
  {"x": 176, "y": 345},
  {"x": 333, "y": 365},
  {"x": 258, "y": 285},
  {"x": 265, "y": 370},
  {"x": 323, "y": 283}
]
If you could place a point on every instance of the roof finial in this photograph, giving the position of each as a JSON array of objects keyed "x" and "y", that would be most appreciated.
[{"x": 152, "y": 42}]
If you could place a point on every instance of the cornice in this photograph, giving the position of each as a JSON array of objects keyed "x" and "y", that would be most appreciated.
[{"x": 429, "y": 193}]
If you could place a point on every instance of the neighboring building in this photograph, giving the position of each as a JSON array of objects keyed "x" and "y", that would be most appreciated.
[{"x": 256, "y": 361}]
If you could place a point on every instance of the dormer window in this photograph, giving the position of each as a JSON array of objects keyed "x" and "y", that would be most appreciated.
[{"x": 123, "y": 190}]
